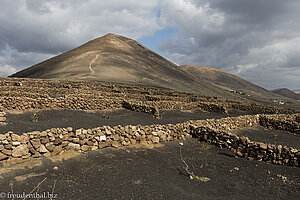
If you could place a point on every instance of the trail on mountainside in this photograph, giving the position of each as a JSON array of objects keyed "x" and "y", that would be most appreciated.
[{"x": 90, "y": 65}]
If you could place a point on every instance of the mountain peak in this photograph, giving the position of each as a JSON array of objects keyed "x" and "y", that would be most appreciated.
[{"x": 111, "y": 35}]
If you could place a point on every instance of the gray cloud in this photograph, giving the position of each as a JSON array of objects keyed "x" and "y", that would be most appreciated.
[
  {"x": 54, "y": 26},
  {"x": 257, "y": 40},
  {"x": 33, "y": 30}
]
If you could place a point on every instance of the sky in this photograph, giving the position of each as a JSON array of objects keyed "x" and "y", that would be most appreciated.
[{"x": 257, "y": 40}]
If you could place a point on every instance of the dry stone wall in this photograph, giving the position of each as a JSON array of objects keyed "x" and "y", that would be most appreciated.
[
  {"x": 257, "y": 108},
  {"x": 23, "y": 94},
  {"x": 139, "y": 107},
  {"x": 56, "y": 140},
  {"x": 2, "y": 117},
  {"x": 246, "y": 148},
  {"x": 218, "y": 132},
  {"x": 153, "y": 107},
  {"x": 214, "y": 131},
  {"x": 289, "y": 123},
  {"x": 177, "y": 105},
  {"x": 76, "y": 103},
  {"x": 100, "y": 103}
]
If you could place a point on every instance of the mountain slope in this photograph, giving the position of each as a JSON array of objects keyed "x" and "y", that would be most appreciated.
[
  {"x": 287, "y": 93},
  {"x": 118, "y": 59},
  {"x": 225, "y": 80},
  {"x": 236, "y": 85}
]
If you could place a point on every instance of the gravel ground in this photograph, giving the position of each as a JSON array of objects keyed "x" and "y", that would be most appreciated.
[
  {"x": 143, "y": 173},
  {"x": 260, "y": 134},
  {"x": 22, "y": 123}
]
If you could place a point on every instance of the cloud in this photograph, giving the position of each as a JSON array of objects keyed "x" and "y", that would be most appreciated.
[
  {"x": 6, "y": 70},
  {"x": 257, "y": 40},
  {"x": 19, "y": 60},
  {"x": 31, "y": 30},
  {"x": 252, "y": 39},
  {"x": 276, "y": 65},
  {"x": 54, "y": 26}
]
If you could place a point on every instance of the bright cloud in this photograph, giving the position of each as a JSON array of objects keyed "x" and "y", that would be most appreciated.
[{"x": 6, "y": 70}]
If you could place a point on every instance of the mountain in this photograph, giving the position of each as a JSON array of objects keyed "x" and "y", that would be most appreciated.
[
  {"x": 287, "y": 93},
  {"x": 114, "y": 58},
  {"x": 117, "y": 59}
]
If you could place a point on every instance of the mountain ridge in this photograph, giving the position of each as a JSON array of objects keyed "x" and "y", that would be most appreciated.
[
  {"x": 287, "y": 93},
  {"x": 225, "y": 80}
]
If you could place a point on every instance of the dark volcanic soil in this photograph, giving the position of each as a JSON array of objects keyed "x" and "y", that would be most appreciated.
[
  {"x": 22, "y": 123},
  {"x": 260, "y": 134},
  {"x": 141, "y": 173}
]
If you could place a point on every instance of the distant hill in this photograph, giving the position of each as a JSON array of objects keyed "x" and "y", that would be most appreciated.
[
  {"x": 296, "y": 91},
  {"x": 287, "y": 93},
  {"x": 228, "y": 81}
]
